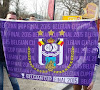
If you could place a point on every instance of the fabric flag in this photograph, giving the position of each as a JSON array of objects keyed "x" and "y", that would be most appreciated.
[
  {"x": 51, "y": 9},
  {"x": 63, "y": 52}
]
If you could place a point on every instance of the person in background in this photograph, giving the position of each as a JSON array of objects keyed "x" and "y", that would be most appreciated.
[
  {"x": 32, "y": 18},
  {"x": 11, "y": 16},
  {"x": 79, "y": 87},
  {"x": 15, "y": 85},
  {"x": 20, "y": 18}
]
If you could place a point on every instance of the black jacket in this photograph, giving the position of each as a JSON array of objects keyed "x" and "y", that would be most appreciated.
[{"x": 2, "y": 58}]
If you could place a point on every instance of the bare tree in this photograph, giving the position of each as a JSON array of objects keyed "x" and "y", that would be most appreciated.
[
  {"x": 20, "y": 9},
  {"x": 71, "y": 6},
  {"x": 34, "y": 4},
  {"x": 40, "y": 9},
  {"x": 4, "y": 8},
  {"x": 17, "y": 8}
]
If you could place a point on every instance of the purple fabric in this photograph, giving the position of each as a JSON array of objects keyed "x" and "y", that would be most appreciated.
[{"x": 63, "y": 52}]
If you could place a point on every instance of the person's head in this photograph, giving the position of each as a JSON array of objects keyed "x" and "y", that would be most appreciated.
[
  {"x": 20, "y": 18},
  {"x": 32, "y": 18},
  {"x": 11, "y": 15}
]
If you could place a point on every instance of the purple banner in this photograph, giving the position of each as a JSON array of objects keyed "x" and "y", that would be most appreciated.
[{"x": 63, "y": 52}]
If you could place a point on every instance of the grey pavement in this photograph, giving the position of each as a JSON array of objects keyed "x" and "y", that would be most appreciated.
[
  {"x": 42, "y": 85},
  {"x": 26, "y": 84},
  {"x": 97, "y": 82}
]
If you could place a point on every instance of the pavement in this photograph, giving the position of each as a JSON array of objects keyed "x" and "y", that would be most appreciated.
[
  {"x": 26, "y": 84},
  {"x": 97, "y": 82},
  {"x": 42, "y": 85}
]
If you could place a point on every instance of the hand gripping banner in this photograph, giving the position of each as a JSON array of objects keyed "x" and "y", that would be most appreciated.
[{"x": 63, "y": 52}]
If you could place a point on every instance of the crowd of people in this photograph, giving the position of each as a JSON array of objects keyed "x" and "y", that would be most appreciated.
[
  {"x": 12, "y": 16},
  {"x": 31, "y": 17}
]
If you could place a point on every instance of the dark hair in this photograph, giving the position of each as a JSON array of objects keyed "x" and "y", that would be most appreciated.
[
  {"x": 11, "y": 12},
  {"x": 32, "y": 16}
]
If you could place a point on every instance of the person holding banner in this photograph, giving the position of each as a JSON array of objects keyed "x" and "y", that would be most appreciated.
[
  {"x": 11, "y": 16},
  {"x": 15, "y": 85},
  {"x": 79, "y": 87},
  {"x": 32, "y": 18}
]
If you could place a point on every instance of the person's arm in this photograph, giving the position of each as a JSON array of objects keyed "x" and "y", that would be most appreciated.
[
  {"x": 90, "y": 86},
  {"x": 95, "y": 69},
  {"x": 94, "y": 78}
]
